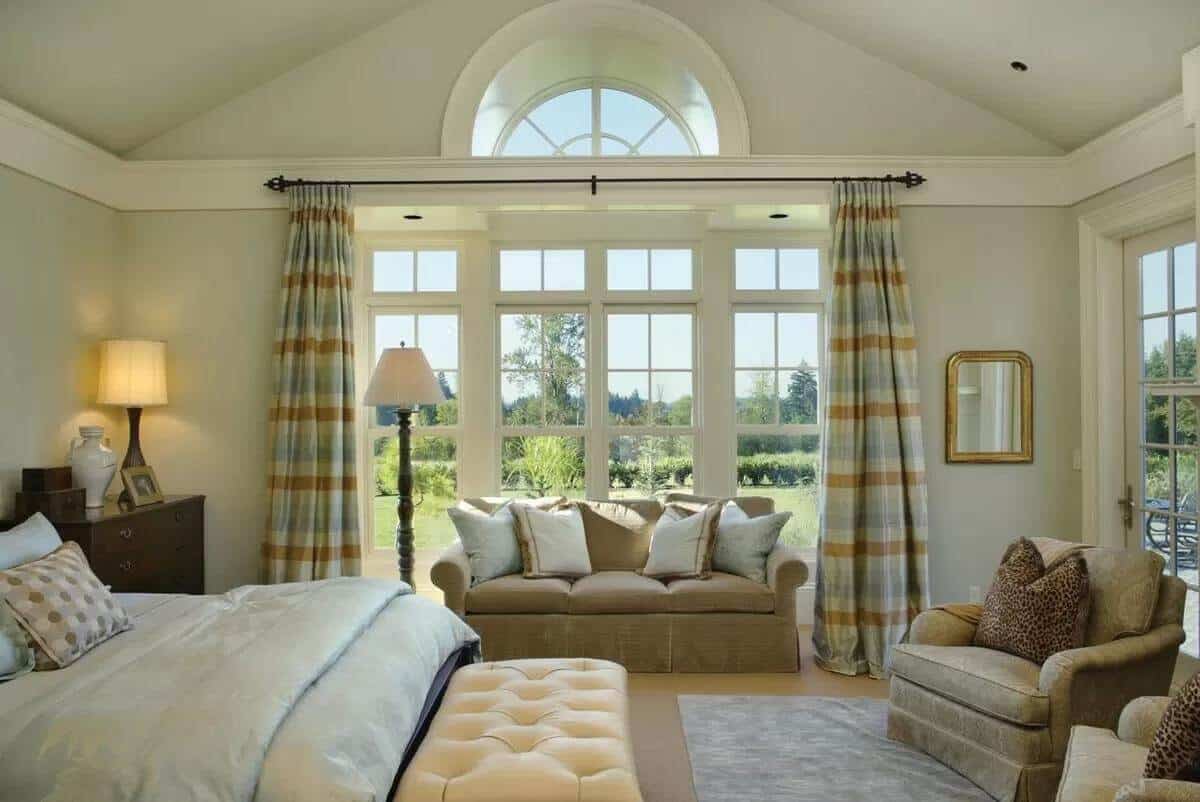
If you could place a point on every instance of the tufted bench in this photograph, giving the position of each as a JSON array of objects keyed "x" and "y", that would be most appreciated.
[{"x": 528, "y": 731}]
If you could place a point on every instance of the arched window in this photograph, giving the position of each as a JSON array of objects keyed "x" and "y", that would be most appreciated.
[{"x": 597, "y": 118}]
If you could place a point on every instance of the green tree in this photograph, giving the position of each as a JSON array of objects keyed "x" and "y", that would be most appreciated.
[
  {"x": 758, "y": 406},
  {"x": 800, "y": 403},
  {"x": 548, "y": 365}
]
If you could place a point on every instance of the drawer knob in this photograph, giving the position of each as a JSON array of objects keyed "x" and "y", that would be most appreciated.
[
  {"x": 179, "y": 517},
  {"x": 127, "y": 534},
  {"x": 126, "y": 565}
]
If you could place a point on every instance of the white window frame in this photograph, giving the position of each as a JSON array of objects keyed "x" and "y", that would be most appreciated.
[
  {"x": 539, "y": 295},
  {"x": 650, "y": 295},
  {"x": 373, "y": 244},
  {"x": 596, "y": 134}
]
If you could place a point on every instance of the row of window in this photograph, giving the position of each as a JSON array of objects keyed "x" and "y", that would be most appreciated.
[{"x": 626, "y": 269}]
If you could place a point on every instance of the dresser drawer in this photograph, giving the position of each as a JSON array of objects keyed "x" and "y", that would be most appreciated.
[
  {"x": 130, "y": 572},
  {"x": 153, "y": 549}
]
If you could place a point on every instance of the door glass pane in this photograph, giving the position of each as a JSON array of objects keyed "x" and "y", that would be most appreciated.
[
  {"x": 1156, "y": 533},
  {"x": 520, "y": 271},
  {"x": 565, "y": 342},
  {"x": 1185, "y": 422},
  {"x": 628, "y": 269},
  {"x": 1191, "y": 617},
  {"x": 628, "y": 395},
  {"x": 1156, "y": 470},
  {"x": 445, "y": 413},
  {"x": 671, "y": 392},
  {"x": 754, "y": 339},
  {"x": 755, "y": 391},
  {"x": 799, "y": 268},
  {"x": 798, "y": 343},
  {"x": 1154, "y": 282},
  {"x": 785, "y": 468},
  {"x": 640, "y": 466},
  {"x": 629, "y": 342},
  {"x": 392, "y": 330},
  {"x": 1185, "y": 346},
  {"x": 1185, "y": 275},
  {"x": 564, "y": 271},
  {"x": 393, "y": 271},
  {"x": 521, "y": 398},
  {"x": 754, "y": 268},
  {"x": 1154, "y": 348},
  {"x": 564, "y": 398},
  {"x": 798, "y": 396},
  {"x": 435, "y": 477},
  {"x": 671, "y": 341},
  {"x": 670, "y": 269},
  {"x": 437, "y": 271},
  {"x": 521, "y": 341},
  {"x": 1155, "y": 414},
  {"x": 437, "y": 335},
  {"x": 1185, "y": 482},
  {"x": 543, "y": 465}
]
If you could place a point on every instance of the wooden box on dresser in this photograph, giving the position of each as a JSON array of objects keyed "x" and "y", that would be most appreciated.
[{"x": 158, "y": 548}]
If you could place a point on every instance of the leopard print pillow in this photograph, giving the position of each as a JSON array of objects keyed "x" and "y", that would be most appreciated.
[
  {"x": 1175, "y": 751},
  {"x": 1033, "y": 612}
]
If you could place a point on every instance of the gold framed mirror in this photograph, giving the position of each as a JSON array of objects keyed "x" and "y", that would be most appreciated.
[{"x": 989, "y": 407}]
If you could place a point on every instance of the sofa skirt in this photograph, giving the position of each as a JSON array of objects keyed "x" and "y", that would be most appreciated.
[{"x": 700, "y": 643}]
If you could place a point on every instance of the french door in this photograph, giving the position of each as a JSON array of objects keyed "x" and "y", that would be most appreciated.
[{"x": 1162, "y": 398}]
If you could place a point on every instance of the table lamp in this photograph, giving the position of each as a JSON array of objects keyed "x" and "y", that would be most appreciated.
[
  {"x": 402, "y": 378},
  {"x": 133, "y": 374}
]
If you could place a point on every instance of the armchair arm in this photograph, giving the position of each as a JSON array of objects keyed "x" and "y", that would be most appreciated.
[
  {"x": 1140, "y": 719},
  {"x": 1158, "y": 791},
  {"x": 452, "y": 573},
  {"x": 786, "y": 571},
  {"x": 1092, "y": 685},
  {"x": 940, "y": 628}
]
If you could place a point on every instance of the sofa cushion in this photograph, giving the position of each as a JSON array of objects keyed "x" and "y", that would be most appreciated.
[
  {"x": 490, "y": 541},
  {"x": 997, "y": 683},
  {"x": 553, "y": 542},
  {"x": 618, "y": 532},
  {"x": 720, "y": 593},
  {"x": 617, "y": 592},
  {"x": 682, "y": 544},
  {"x": 743, "y": 542},
  {"x": 1097, "y": 765},
  {"x": 516, "y": 594}
]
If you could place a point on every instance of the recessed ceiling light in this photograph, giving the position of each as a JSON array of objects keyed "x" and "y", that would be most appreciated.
[
  {"x": 779, "y": 216},
  {"x": 1019, "y": 66},
  {"x": 414, "y": 217}
]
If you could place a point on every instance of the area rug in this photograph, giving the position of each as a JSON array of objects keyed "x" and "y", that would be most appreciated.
[{"x": 802, "y": 748}]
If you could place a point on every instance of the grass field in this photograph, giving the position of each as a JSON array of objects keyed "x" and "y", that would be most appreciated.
[{"x": 801, "y": 502}]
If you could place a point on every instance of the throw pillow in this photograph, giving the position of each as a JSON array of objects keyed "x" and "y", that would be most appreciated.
[
  {"x": 744, "y": 543},
  {"x": 552, "y": 542},
  {"x": 1035, "y": 613},
  {"x": 62, "y": 606},
  {"x": 1175, "y": 751},
  {"x": 28, "y": 541},
  {"x": 490, "y": 542},
  {"x": 16, "y": 658},
  {"x": 681, "y": 545}
]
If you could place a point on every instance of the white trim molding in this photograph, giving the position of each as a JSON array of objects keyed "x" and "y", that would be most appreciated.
[{"x": 1102, "y": 345}]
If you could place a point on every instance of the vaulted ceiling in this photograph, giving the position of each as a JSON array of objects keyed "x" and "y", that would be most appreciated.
[{"x": 122, "y": 72}]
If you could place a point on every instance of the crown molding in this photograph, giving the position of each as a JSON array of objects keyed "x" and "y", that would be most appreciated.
[{"x": 40, "y": 149}]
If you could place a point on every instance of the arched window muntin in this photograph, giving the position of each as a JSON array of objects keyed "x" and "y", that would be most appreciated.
[{"x": 597, "y": 137}]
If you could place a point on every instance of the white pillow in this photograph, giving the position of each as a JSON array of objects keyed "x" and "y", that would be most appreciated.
[
  {"x": 490, "y": 541},
  {"x": 29, "y": 541},
  {"x": 744, "y": 543},
  {"x": 681, "y": 544},
  {"x": 553, "y": 542}
]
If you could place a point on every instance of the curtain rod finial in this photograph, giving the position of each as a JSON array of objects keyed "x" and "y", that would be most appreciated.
[
  {"x": 912, "y": 179},
  {"x": 278, "y": 183}
]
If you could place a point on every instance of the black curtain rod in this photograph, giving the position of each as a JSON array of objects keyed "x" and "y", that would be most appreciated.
[{"x": 281, "y": 184}]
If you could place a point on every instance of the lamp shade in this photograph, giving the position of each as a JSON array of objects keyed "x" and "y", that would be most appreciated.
[
  {"x": 403, "y": 378},
  {"x": 133, "y": 373}
]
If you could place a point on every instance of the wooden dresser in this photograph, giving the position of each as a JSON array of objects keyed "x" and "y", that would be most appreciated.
[{"x": 158, "y": 548}]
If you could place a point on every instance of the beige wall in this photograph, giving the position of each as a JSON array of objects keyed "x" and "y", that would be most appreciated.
[
  {"x": 996, "y": 278},
  {"x": 207, "y": 283},
  {"x": 57, "y": 298}
]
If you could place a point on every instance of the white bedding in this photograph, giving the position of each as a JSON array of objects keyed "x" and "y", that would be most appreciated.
[{"x": 251, "y": 695}]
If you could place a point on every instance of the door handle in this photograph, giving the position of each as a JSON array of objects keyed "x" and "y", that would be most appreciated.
[{"x": 1126, "y": 505}]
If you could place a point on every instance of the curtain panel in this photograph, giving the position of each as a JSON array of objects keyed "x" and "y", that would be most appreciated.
[
  {"x": 312, "y": 531},
  {"x": 871, "y": 560}
]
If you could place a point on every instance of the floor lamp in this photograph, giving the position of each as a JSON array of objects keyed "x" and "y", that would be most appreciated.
[{"x": 403, "y": 379}]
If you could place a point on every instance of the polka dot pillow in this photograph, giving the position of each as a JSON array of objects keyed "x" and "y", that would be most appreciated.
[{"x": 62, "y": 606}]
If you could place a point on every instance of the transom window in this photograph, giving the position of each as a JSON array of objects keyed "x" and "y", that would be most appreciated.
[
  {"x": 543, "y": 270},
  {"x": 597, "y": 120},
  {"x": 776, "y": 268},
  {"x": 657, "y": 269},
  {"x": 414, "y": 271}
]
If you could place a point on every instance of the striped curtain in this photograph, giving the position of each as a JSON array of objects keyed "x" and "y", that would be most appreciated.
[
  {"x": 312, "y": 532},
  {"x": 871, "y": 560}
]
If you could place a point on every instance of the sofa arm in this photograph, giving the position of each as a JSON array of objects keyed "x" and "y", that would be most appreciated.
[
  {"x": 1092, "y": 685},
  {"x": 1158, "y": 791},
  {"x": 452, "y": 573},
  {"x": 1140, "y": 718},
  {"x": 786, "y": 571},
  {"x": 940, "y": 628}
]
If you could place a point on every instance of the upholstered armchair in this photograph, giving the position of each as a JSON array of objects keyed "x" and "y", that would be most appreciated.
[
  {"x": 1103, "y": 766},
  {"x": 1004, "y": 722}
]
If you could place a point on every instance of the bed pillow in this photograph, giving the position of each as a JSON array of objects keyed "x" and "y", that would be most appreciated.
[
  {"x": 744, "y": 543},
  {"x": 28, "y": 541},
  {"x": 553, "y": 542},
  {"x": 16, "y": 657},
  {"x": 62, "y": 606},
  {"x": 490, "y": 542},
  {"x": 1033, "y": 612},
  {"x": 1175, "y": 751},
  {"x": 681, "y": 545}
]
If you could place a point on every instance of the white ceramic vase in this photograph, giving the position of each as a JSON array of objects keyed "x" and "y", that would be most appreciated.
[{"x": 93, "y": 464}]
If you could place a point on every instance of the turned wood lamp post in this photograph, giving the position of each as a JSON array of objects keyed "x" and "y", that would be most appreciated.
[
  {"x": 133, "y": 374},
  {"x": 403, "y": 379}
]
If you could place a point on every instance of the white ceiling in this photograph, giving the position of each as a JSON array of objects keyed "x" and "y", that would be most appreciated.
[
  {"x": 1093, "y": 64},
  {"x": 121, "y": 72}
]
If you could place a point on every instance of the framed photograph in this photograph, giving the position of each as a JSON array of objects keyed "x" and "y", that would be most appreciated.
[{"x": 142, "y": 485}]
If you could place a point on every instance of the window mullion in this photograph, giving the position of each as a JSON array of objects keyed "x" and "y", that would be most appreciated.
[{"x": 648, "y": 134}]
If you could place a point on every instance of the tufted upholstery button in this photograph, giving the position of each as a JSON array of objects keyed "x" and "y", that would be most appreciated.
[{"x": 528, "y": 731}]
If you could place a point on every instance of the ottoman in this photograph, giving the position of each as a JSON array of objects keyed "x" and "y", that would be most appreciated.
[{"x": 554, "y": 730}]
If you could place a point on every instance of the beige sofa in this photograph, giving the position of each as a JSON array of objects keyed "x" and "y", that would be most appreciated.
[
  {"x": 1003, "y": 721},
  {"x": 723, "y": 624},
  {"x": 1103, "y": 766}
]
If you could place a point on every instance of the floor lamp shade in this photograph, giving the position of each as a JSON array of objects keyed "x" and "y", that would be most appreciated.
[
  {"x": 403, "y": 378},
  {"x": 133, "y": 373}
]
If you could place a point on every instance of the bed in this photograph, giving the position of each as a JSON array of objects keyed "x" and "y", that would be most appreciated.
[{"x": 309, "y": 691}]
